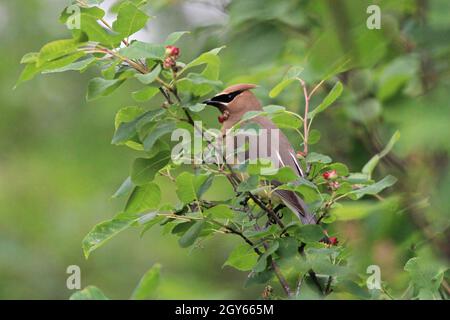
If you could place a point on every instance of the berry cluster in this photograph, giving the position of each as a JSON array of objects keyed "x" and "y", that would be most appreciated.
[{"x": 172, "y": 54}]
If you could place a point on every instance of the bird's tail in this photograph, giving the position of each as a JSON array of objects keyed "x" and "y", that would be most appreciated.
[{"x": 297, "y": 205}]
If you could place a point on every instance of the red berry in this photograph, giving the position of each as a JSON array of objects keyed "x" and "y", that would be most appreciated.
[
  {"x": 333, "y": 241},
  {"x": 173, "y": 51},
  {"x": 330, "y": 174},
  {"x": 334, "y": 185},
  {"x": 221, "y": 118},
  {"x": 169, "y": 63}
]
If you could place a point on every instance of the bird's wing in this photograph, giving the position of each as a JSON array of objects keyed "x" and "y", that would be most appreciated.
[{"x": 286, "y": 156}]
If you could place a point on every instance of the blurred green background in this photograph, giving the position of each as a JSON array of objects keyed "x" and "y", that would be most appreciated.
[{"x": 58, "y": 169}]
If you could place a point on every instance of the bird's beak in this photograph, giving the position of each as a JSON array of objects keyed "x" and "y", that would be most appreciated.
[{"x": 216, "y": 104}]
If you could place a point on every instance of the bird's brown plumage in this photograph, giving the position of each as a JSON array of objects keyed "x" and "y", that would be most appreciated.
[{"x": 242, "y": 101}]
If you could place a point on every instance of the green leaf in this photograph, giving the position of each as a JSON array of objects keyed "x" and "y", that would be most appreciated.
[
  {"x": 197, "y": 107},
  {"x": 157, "y": 132},
  {"x": 352, "y": 210},
  {"x": 291, "y": 76},
  {"x": 288, "y": 247},
  {"x": 186, "y": 190},
  {"x": 270, "y": 231},
  {"x": 284, "y": 175},
  {"x": 314, "y": 136},
  {"x": 202, "y": 183},
  {"x": 128, "y": 128},
  {"x": 195, "y": 81},
  {"x": 149, "y": 77},
  {"x": 426, "y": 276},
  {"x": 242, "y": 258},
  {"x": 273, "y": 109},
  {"x": 341, "y": 169},
  {"x": 373, "y": 162},
  {"x": 174, "y": 37},
  {"x": 89, "y": 293},
  {"x": 148, "y": 285},
  {"x": 280, "y": 87},
  {"x": 95, "y": 32},
  {"x": 145, "y": 169},
  {"x": 329, "y": 99},
  {"x": 145, "y": 94},
  {"x": 56, "y": 49},
  {"x": 375, "y": 188},
  {"x": 142, "y": 50},
  {"x": 249, "y": 185},
  {"x": 104, "y": 231},
  {"x": 130, "y": 19},
  {"x": 317, "y": 157},
  {"x": 143, "y": 199},
  {"x": 99, "y": 87},
  {"x": 30, "y": 57},
  {"x": 211, "y": 71},
  {"x": 125, "y": 188},
  {"x": 285, "y": 120},
  {"x": 80, "y": 66},
  {"x": 31, "y": 70},
  {"x": 310, "y": 233},
  {"x": 220, "y": 211},
  {"x": 262, "y": 262},
  {"x": 192, "y": 234}
]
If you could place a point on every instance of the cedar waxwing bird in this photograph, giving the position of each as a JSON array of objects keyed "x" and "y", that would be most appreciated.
[{"x": 233, "y": 103}]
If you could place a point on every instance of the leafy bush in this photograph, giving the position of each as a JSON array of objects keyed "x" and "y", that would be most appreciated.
[{"x": 275, "y": 245}]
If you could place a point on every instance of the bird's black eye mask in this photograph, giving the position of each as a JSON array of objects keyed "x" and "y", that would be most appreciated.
[
  {"x": 227, "y": 97},
  {"x": 221, "y": 100}
]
